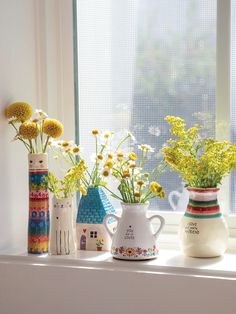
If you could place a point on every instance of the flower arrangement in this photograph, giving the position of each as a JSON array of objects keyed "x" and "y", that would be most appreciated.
[
  {"x": 102, "y": 159},
  {"x": 66, "y": 187},
  {"x": 34, "y": 132},
  {"x": 202, "y": 162},
  {"x": 136, "y": 185}
]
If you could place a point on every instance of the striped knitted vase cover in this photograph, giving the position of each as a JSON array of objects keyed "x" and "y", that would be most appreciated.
[
  {"x": 38, "y": 225},
  {"x": 203, "y": 203}
]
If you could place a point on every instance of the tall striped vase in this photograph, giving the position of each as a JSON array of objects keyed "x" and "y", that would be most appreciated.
[
  {"x": 38, "y": 226},
  {"x": 203, "y": 230}
]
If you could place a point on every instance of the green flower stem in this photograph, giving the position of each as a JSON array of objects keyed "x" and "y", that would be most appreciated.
[
  {"x": 113, "y": 194},
  {"x": 121, "y": 142},
  {"x": 20, "y": 139},
  {"x": 46, "y": 144}
]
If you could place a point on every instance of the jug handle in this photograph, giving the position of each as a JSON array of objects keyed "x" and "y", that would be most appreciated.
[
  {"x": 105, "y": 219},
  {"x": 162, "y": 220}
]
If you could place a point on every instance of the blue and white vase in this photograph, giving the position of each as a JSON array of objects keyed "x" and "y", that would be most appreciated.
[{"x": 91, "y": 233}]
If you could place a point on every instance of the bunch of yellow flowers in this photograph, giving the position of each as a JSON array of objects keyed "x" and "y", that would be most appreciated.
[
  {"x": 202, "y": 162},
  {"x": 66, "y": 187},
  {"x": 34, "y": 132}
]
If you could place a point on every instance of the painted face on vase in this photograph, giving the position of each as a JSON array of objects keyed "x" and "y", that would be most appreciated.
[{"x": 38, "y": 161}]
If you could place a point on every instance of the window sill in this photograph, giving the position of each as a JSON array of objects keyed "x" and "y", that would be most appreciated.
[{"x": 169, "y": 261}]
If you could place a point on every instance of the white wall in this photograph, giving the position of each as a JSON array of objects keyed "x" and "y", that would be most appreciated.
[{"x": 34, "y": 69}]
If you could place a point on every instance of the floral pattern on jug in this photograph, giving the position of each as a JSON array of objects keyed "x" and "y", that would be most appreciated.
[{"x": 134, "y": 237}]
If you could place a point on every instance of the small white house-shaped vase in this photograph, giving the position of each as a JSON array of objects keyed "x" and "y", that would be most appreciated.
[{"x": 91, "y": 233}]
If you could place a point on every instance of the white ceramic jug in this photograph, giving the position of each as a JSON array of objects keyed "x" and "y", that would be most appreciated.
[{"x": 134, "y": 238}]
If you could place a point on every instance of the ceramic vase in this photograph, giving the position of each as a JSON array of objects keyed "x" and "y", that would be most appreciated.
[
  {"x": 203, "y": 231},
  {"x": 91, "y": 233},
  {"x": 62, "y": 239},
  {"x": 38, "y": 225},
  {"x": 134, "y": 238}
]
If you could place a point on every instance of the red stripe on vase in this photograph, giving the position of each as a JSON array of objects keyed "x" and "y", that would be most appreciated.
[
  {"x": 203, "y": 210},
  {"x": 203, "y": 190}
]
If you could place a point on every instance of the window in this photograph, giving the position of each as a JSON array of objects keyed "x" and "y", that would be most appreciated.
[
  {"x": 140, "y": 60},
  {"x": 93, "y": 234}
]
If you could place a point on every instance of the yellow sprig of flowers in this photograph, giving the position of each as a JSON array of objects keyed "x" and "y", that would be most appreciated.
[{"x": 202, "y": 162}]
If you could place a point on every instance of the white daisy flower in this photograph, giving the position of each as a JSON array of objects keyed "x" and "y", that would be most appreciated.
[
  {"x": 40, "y": 114},
  {"x": 12, "y": 119},
  {"x": 146, "y": 148},
  {"x": 154, "y": 130}
]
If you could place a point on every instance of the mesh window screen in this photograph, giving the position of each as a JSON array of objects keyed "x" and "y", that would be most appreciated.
[{"x": 140, "y": 60}]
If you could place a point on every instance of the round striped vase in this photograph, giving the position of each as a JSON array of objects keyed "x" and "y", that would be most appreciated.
[{"x": 203, "y": 230}]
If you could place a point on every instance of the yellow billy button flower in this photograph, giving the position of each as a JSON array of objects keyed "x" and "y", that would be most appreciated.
[
  {"x": 52, "y": 128},
  {"x": 133, "y": 156},
  {"x": 109, "y": 164},
  {"x": 110, "y": 156},
  {"x": 21, "y": 111},
  {"x": 133, "y": 165},
  {"x": 156, "y": 188},
  {"x": 137, "y": 195},
  {"x": 95, "y": 132},
  {"x": 82, "y": 190},
  {"x": 29, "y": 130}
]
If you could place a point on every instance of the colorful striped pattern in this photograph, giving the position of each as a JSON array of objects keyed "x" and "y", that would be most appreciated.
[
  {"x": 38, "y": 227},
  {"x": 203, "y": 204}
]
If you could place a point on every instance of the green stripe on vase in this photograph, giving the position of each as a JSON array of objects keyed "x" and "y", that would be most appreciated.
[{"x": 203, "y": 203}]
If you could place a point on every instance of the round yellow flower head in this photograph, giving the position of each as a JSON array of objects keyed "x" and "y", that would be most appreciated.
[
  {"x": 133, "y": 165},
  {"x": 82, "y": 190},
  {"x": 29, "y": 130},
  {"x": 156, "y": 188},
  {"x": 52, "y": 128},
  {"x": 110, "y": 156},
  {"x": 21, "y": 111},
  {"x": 133, "y": 156},
  {"x": 95, "y": 132},
  {"x": 137, "y": 194}
]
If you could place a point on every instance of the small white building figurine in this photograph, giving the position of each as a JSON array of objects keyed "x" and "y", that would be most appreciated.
[{"x": 91, "y": 233}]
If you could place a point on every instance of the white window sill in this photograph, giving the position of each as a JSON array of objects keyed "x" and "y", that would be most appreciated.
[{"x": 169, "y": 261}]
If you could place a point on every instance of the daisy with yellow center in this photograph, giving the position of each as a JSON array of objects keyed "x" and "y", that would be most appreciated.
[
  {"x": 95, "y": 132},
  {"x": 99, "y": 157},
  {"x": 106, "y": 172},
  {"x": 133, "y": 156},
  {"x": 109, "y": 164}
]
